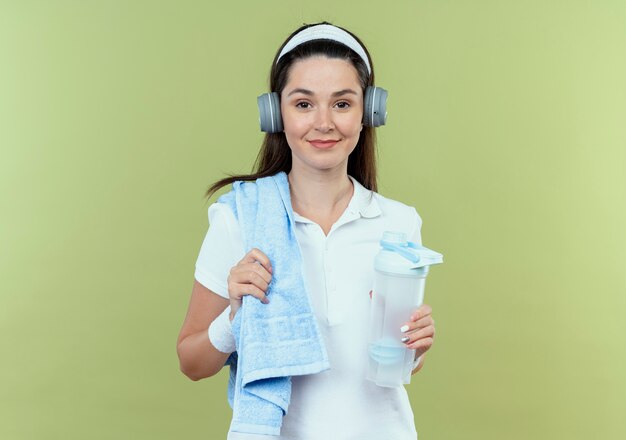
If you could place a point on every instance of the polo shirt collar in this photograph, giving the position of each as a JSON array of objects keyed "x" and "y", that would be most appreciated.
[{"x": 363, "y": 201}]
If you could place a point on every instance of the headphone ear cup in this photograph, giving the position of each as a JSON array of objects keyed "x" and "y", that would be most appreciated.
[
  {"x": 270, "y": 119},
  {"x": 375, "y": 106}
]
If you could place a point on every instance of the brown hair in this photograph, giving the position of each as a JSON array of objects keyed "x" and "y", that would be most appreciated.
[{"x": 275, "y": 154}]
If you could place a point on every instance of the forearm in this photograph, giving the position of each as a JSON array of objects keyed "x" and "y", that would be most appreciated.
[{"x": 198, "y": 357}]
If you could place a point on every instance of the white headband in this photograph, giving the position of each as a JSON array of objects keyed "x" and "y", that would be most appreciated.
[{"x": 326, "y": 32}]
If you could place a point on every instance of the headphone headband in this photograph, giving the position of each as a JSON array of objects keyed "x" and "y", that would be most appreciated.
[{"x": 326, "y": 32}]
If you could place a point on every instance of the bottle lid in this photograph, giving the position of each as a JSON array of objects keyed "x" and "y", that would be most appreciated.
[{"x": 404, "y": 257}]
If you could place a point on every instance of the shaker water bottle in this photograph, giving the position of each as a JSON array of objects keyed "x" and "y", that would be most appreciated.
[{"x": 400, "y": 275}]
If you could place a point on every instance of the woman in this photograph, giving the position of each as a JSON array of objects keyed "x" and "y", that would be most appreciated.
[{"x": 320, "y": 74}]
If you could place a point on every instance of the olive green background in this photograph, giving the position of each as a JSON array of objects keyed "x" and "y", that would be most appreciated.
[{"x": 506, "y": 130}]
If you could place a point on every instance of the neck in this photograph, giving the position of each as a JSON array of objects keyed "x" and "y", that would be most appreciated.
[{"x": 320, "y": 193}]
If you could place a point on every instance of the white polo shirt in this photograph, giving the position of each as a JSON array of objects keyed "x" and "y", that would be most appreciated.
[{"x": 339, "y": 403}]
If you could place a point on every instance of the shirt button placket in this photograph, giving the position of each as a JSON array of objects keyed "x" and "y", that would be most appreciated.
[{"x": 331, "y": 299}]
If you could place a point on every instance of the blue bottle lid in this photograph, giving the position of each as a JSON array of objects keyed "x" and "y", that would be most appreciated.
[{"x": 402, "y": 257}]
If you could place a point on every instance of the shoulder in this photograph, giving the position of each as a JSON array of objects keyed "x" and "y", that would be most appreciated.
[
  {"x": 221, "y": 213},
  {"x": 399, "y": 216},
  {"x": 394, "y": 207},
  {"x": 371, "y": 203},
  {"x": 249, "y": 192},
  {"x": 393, "y": 213}
]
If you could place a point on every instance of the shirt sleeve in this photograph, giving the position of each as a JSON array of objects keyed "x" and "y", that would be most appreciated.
[{"x": 221, "y": 249}]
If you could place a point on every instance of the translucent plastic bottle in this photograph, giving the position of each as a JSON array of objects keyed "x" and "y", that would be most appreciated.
[{"x": 400, "y": 275}]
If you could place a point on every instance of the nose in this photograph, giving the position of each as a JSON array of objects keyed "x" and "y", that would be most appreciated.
[{"x": 324, "y": 121}]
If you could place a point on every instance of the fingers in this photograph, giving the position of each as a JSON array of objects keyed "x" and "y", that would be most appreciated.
[
  {"x": 419, "y": 337},
  {"x": 238, "y": 291},
  {"x": 419, "y": 333},
  {"x": 255, "y": 255},
  {"x": 251, "y": 276},
  {"x": 422, "y": 346},
  {"x": 424, "y": 322},
  {"x": 420, "y": 318},
  {"x": 422, "y": 311},
  {"x": 252, "y": 273}
]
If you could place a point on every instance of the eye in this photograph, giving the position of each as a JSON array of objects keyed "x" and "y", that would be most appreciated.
[
  {"x": 343, "y": 105},
  {"x": 303, "y": 105}
]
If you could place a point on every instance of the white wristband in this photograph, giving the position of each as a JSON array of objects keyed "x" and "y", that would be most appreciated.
[{"x": 221, "y": 333}]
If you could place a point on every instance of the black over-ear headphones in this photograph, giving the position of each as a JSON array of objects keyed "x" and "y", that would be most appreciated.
[{"x": 374, "y": 109}]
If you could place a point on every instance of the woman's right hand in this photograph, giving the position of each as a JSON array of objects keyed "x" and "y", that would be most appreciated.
[{"x": 251, "y": 276}]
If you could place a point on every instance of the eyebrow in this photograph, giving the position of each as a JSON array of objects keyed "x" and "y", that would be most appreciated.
[{"x": 334, "y": 95}]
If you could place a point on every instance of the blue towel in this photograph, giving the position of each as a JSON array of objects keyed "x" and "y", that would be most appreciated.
[{"x": 279, "y": 339}]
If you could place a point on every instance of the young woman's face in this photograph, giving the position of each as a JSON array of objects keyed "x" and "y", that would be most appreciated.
[{"x": 322, "y": 111}]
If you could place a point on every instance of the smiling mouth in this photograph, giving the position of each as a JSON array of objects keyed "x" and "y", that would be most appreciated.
[{"x": 319, "y": 143}]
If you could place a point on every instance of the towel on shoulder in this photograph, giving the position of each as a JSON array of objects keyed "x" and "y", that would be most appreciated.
[{"x": 277, "y": 340}]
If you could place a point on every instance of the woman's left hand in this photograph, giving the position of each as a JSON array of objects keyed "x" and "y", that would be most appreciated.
[{"x": 419, "y": 331}]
